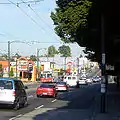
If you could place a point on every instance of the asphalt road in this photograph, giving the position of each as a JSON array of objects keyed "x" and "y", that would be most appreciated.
[
  {"x": 62, "y": 99},
  {"x": 68, "y": 106}
]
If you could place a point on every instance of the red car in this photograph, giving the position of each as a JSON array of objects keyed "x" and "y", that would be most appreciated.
[{"x": 46, "y": 90}]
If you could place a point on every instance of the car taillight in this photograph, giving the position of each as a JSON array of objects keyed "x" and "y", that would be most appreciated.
[
  {"x": 13, "y": 93},
  {"x": 39, "y": 88}
]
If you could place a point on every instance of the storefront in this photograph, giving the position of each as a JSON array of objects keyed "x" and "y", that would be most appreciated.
[{"x": 27, "y": 69}]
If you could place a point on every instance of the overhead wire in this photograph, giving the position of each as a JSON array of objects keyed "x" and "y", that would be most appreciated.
[
  {"x": 17, "y": 5},
  {"x": 38, "y": 15},
  {"x": 33, "y": 1}
]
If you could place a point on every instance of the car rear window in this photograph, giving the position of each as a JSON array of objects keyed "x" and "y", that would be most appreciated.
[
  {"x": 61, "y": 83},
  {"x": 69, "y": 78},
  {"x": 74, "y": 78},
  {"x": 6, "y": 84},
  {"x": 46, "y": 86}
]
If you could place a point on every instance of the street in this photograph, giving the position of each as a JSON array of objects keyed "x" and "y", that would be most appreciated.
[
  {"x": 76, "y": 98},
  {"x": 64, "y": 106}
]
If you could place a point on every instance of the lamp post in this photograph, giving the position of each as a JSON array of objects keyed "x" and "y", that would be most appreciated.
[
  {"x": 9, "y": 43},
  {"x": 16, "y": 67},
  {"x": 103, "y": 83},
  {"x": 38, "y": 50}
]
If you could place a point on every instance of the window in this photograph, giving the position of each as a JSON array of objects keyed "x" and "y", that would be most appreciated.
[
  {"x": 74, "y": 78},
  {"x": 69, "y": 78},
  {"x": 46, "y": 86},
  {"x": 5, "y": 84},
  {"x": 43, "y": 75},
  {"x": 19, "y": 85},
  {"x": 49, "y": 75}
]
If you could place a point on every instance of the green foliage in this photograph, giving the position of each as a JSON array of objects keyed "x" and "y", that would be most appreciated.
[
  {"x": 52, "y": 51},
  {"x": 65, "y": 51},
  {"x": 69, "y": 19},
  {"x": 33, "y": 58},
  {"x": 11, "y": 72}
]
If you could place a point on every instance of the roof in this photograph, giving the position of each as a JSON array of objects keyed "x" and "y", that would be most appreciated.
[
  {"x": 8, "y": 79},
  {"x": 4, "y": 63}
]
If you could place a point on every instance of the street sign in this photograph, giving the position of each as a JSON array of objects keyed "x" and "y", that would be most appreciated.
[{"x": 69, "y": 64}]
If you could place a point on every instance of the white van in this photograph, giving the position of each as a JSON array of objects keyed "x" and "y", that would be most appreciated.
[{"x": 71, "y": 80}]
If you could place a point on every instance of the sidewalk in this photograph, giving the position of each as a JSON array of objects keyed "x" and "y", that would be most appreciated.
[
  {"x": 93, "y": 113},
  {"x": 112, "y": 105}
]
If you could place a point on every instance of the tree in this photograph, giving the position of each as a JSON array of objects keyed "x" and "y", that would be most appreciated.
[
  {"x": 65, "y": 51},
  {"x": 70, "y": 20},
  {"x": 33, "y": 58},
  {"x": 11, "y": 72},
  {"x": 52, "y": 51}
]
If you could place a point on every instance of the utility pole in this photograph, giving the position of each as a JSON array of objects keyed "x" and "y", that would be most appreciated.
[
  {"x": 9, "y": 58},
  {"x": 65, "y": 63},
  {"x": 78, "y": 65},
  {"x": 103, "y": 83},
  {"x": 37, "y": 64}
]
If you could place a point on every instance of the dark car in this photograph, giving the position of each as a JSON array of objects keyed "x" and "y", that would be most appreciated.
[
  {"x": 12, "y": 92},
  {"x": 46, "y": 90}
]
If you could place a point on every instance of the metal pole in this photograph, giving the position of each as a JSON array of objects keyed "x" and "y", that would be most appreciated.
[
  {"x": 65, "y": 63},
  {"x": 9, "y": 58},
  {"x": 37, "y": 64},
  {"x": 16, "y": 68},
  {"x": 103, "y": 83},
  {"x": 78, "y": 65}
]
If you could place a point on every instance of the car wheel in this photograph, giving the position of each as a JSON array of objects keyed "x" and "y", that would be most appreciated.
[
  {"x": 16, "y": 106},
  {"x": 25, "y": 103},
  {"x": 38, "y": 96}
]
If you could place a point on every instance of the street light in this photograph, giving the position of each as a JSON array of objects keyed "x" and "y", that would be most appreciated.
[
  {"x": 38, "y": 50},
  {"x": 9, "y": 43},
  {"x": 16, "y": 67}
]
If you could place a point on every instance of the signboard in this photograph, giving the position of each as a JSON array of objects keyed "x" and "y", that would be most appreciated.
[{"x": 69, "y": 64}]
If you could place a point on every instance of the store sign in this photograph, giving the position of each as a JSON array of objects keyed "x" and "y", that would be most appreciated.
[{"x": 69, "y": 64}]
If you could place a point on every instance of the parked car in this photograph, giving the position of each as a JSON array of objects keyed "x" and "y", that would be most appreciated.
[
  {"x": 46, "y": 90},
  {"x": 12, "y": 92},
  {"x": 61, "y": 86}
]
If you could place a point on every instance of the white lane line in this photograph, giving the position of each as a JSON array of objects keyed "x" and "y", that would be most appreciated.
[
  {"x": 39, "y": 107},
  {"x": 54, "y": 100},
  {"x": 13, "y": 118},
  {"x": 30, "y": 96}
]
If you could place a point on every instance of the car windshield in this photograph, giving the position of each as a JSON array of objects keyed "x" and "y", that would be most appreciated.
[
  {"x": 46, "y": 86},
  {"x": 43, "y": 75},
  {"x": 5, "y": 84},
  {"x": 49, "y": 75}
]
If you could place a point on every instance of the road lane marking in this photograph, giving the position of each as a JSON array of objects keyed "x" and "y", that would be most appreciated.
[
  {"x": 39, "y": 107},
  {"x": 30, "y": 96},
  {"x": 54, "y": 100},
  {"x": 13, "y": 118}
]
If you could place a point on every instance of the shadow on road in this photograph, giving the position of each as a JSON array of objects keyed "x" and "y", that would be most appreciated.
[{"x": 79, "y": 106}]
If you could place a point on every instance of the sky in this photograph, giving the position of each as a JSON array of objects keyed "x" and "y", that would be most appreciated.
[{"x": 21, "y": 25}]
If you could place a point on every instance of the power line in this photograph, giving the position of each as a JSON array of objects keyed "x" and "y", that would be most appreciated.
[
  {"x": 33, "y": 1},
  {"x": 37, "y": 15},
  {"x": 17, "y": 5}
]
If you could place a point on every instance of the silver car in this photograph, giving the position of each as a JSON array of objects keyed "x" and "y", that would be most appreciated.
[{"x": 12, "y": 92}]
